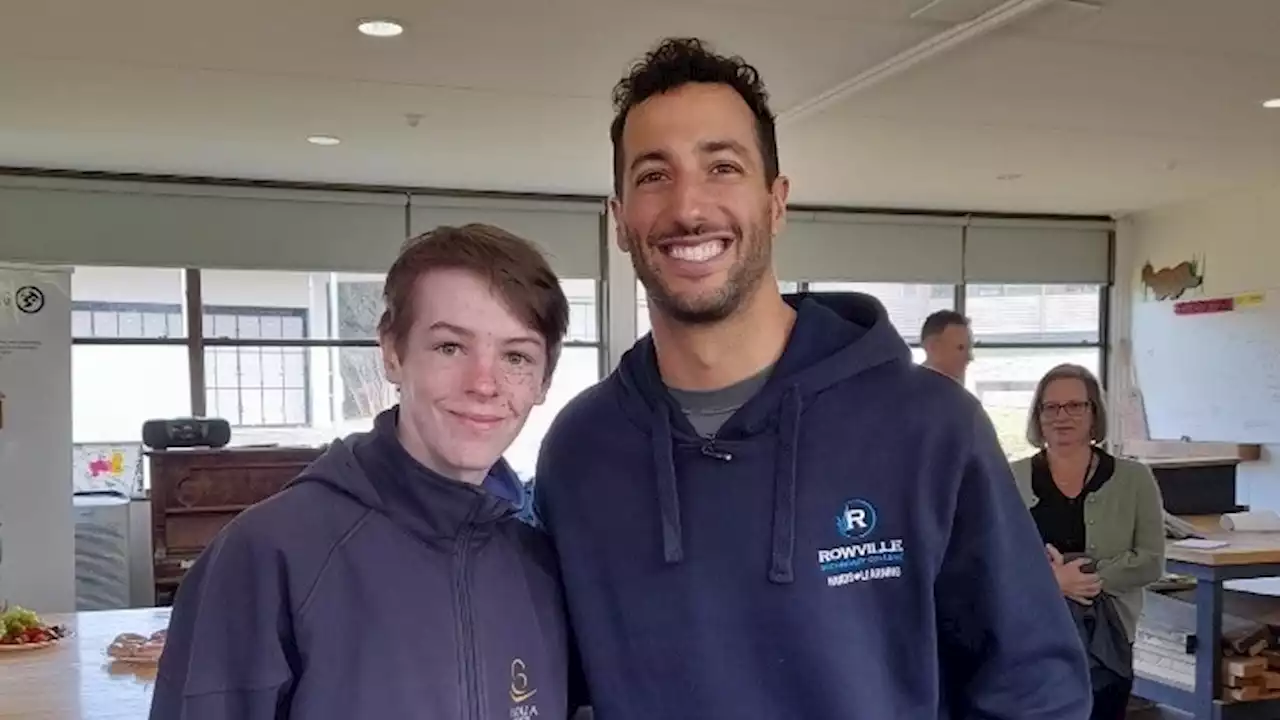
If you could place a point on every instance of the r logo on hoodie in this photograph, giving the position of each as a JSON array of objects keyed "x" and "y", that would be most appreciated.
[{"x": 860, "y": 561}]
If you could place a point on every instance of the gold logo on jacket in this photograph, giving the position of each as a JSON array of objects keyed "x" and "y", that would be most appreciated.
[{"x": 521, "y": 690}]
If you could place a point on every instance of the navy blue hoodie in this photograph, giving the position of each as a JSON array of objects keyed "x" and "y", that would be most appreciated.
[
  {"x": 371, "y": 588},
  {"x": 851, "y": 544}
]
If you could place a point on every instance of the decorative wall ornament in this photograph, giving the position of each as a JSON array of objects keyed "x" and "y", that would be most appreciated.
[{"x": 1170, "y": 283}]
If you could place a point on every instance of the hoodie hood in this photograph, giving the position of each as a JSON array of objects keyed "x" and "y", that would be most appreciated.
[
  {"x": 836, "y": 337},
  {"x": 375, "y": 470}
]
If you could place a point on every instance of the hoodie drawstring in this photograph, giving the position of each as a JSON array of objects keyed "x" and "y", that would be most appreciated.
[
  {"x": 668, "y": 497},
  {"x": 784, "y": 490},
  {"x": 783, "y": 543}
]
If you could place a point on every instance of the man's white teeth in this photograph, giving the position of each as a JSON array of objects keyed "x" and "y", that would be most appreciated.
[{"x": 701, "y": 252}]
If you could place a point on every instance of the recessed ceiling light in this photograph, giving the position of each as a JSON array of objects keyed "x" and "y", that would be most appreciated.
[
  {"x": 325, "y": 140},
  {"x": 1272, "y": 104},
  {"x": 380, "y": 28}
]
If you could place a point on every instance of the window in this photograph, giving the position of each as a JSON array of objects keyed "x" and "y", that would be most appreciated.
[
  {"x": 1020, "y": 333},
  {"x": 128, "y": 358},
  {"x": 584, "y": 322},
  {"x": 291, "y": 357},
  {"x": 578, "y": 369},
  {"x": 127, "y": 303},
  {"x": 1035, "y": 314},
  {"x": 116, "y": 388},
  {"x": 1004, "y": 380},
  {"x": 908, "y": 304},
  {"x": 254, "y": 385}
]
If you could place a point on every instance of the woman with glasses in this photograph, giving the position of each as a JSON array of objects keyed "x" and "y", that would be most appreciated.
[{"x": 1102, "y": 522}]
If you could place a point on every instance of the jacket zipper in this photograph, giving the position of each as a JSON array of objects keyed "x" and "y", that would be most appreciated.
[
  {"x": 466, "y": 626},
  {"x": 710, "y": 450}
]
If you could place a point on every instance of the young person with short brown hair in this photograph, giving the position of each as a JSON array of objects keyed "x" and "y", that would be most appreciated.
[{"x": 400, "y": 575}]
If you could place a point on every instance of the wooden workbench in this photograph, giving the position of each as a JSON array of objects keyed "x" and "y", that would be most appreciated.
[
  {"x": 74, "y": 680},
  {"x": 1246, "y": 556}
]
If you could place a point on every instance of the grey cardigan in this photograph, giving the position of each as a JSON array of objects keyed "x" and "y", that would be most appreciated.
[{"x": 1124, "y": 533}]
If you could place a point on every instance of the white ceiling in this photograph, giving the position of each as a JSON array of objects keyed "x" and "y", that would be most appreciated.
[{"x": 1136, "y": 104}]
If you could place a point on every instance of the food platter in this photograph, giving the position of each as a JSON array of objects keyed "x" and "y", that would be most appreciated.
[
  {"x": 25, "y": 647},
  {"x": 21, "y": 630}
]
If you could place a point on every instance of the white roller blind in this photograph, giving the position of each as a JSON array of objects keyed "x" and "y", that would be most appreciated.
[
  {"x": 172, "y": 225},
  {"x": 869, "y": 248},
  {"x": 567, "y": 232},
  {"x": 1023, "y": 251}
]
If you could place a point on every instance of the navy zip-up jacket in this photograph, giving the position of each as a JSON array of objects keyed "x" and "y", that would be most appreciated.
[
  {"x": 371, "y": 588},
  {"x": 850, "y": 544}
]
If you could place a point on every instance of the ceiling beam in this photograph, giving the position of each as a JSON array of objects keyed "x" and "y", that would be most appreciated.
[{"x": 944, "y": 41}]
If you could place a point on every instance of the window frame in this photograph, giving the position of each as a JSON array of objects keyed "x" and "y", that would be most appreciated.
[
  {"x": 196, "y": 341},
  {"x": 1101, "y": 344}
]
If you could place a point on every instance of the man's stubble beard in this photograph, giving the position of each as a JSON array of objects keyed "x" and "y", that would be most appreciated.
[{"x": 744, "y": 277}]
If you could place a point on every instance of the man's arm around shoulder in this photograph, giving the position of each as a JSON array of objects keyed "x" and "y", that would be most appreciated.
[{"x": 1010, "y": 647}]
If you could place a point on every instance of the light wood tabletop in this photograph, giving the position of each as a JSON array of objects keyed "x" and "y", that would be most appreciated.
[
  {"x": 75, "y": 679},
  {"x": 1242, "y": 548}
]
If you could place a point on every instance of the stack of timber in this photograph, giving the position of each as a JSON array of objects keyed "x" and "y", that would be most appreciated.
[{"x": 1166, "y": 643}]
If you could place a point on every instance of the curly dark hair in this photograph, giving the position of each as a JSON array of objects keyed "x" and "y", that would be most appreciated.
[{"x": 676, "y": 62}]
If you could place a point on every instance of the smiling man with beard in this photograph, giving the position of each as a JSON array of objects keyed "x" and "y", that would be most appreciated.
[{"x": 767, "y": 511}]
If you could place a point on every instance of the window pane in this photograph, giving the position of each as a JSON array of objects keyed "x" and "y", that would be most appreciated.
[
  {"x": 224, "y": 326},
  {"x": 229, "y": 407},
  {"x": 579, "y": 369},
  {"x": 131, "y": 324},
  {"x": 106, "y": 323},
  {"x": 118, "y": 301},
  {"x": 295, "y": 407},
  {"x": 81, "y": 323},
  {"x": 155, "y": 324},
  {"x": 1004, "y": 379},
  {"x": 908, "y": 304},
  {"x": 359, "y": 303},
  {"x": 348, "y": 402},
  {"x": 250, "y": 327},
  {"x": 1048, "y": 314},
  {"x": 115, "y": 388},
  {"x": 251, "y": 410},
  {"x": 365, "y": 389},
  {"x": 583, "y": 322},
  {"x": 250, "y": 360},
  {"x": 295, "y": 368},
  {"x": 309, "y": 396},
  {"x": 226, "y": 363},
  {"x": 273, "y": 368},
  {"x": 281, "y": 305},
  {"x": 272, "y": 405}
]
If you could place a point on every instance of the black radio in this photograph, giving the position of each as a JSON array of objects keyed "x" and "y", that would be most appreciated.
[{"x": 186, "y": 433}]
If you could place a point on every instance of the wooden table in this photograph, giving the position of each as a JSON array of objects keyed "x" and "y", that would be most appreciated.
[
  {"x": 74, "y": 680},
  {"x": 1246, "y": 555}
]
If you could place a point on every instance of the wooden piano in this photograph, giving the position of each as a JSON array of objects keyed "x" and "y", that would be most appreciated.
[{"x": 197, "y": 491}]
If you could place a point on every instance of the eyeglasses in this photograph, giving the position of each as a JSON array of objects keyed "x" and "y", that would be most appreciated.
[{"x": 1075, "y": 408}]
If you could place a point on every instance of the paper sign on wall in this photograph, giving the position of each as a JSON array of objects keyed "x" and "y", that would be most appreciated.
[{"x": 36, "y": 523}]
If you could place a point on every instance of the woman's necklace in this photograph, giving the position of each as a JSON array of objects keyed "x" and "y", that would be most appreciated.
[{"x": 1072, "y": 491}]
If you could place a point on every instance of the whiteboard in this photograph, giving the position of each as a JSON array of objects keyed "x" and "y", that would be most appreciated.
[{"x": 1212, "y": 377}]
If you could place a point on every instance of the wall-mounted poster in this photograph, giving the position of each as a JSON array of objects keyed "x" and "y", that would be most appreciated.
[
  {"x": 37, "y": 561},
  {"x": 98, "y": 467}
]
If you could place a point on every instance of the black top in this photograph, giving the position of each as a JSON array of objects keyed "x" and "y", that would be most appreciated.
[{"x": 1059, "y": 518}]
